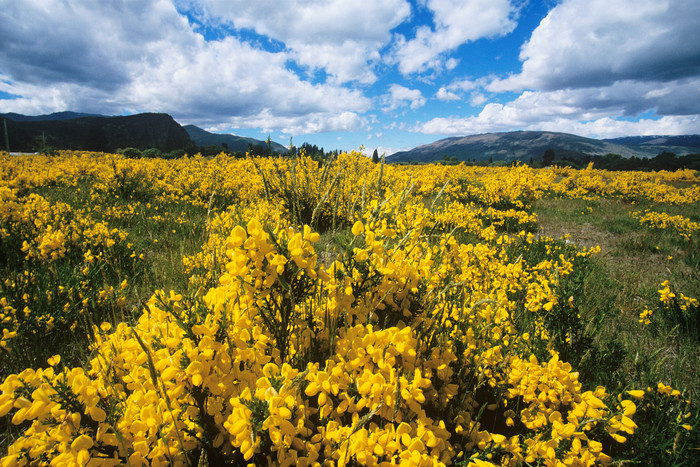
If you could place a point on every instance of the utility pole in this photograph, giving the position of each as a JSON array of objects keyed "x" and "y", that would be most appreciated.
[{"x": 7, "y": 138}]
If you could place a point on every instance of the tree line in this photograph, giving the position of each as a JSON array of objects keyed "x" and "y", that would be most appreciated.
[{"x": 663, "y": 161}]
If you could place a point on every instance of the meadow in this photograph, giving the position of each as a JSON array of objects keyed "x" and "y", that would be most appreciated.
[{"x": 291, "y": 311}]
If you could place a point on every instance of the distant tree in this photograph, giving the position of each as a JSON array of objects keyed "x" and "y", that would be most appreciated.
[
  {"x": 548, "y": 157},
  {"x": 690, "y": 161},
  {"x": 151, "y": 153},
  {"x": 256, "y": 150},
  {"x": 174, "y": 154},
  {"x": 212, "y": 150},
  {"x": 664, "y": 161},
  {"x": 312, "y": 151},
  {"x": 49, "y": 151},
  {"x": 490, "y": 159},
  {"x": 95, "y": 140},
  {"x": 191, "y": 148},
  {"x": 131, "y": 152},
  {"x": 375, "y": 157}
]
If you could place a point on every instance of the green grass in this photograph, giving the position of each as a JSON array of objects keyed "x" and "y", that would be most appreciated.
[{"x": 628, "y": 273}]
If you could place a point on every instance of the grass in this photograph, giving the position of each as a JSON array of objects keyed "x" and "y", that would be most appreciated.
[
  {"x": 633, "y": 262},
  {"x": 164, "y": 231},
  {"x": 624, "y": 281}
]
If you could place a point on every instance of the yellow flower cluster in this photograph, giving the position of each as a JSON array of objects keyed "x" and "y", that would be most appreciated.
[
  {"x": 645, "y": 316},
  {"x": 669, "y": 298},
  {"x": 219, "y": 374},
  {"x": 423, "y": 334},
  {"x": 58, "y": 260},
  {"x": 658, "y": 187},
  {"x": 662, "y": 221}
]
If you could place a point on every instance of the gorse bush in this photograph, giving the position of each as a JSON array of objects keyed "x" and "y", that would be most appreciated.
[{"x": 341, "y": 314}]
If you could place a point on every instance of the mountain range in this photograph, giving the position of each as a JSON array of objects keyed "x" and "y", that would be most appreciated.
[
  {"x": 234, "y": 143},
  {"x": 526, "y": 145},
  {"x": 82, "y": 131},
  {"x": 94, "y": 133}
]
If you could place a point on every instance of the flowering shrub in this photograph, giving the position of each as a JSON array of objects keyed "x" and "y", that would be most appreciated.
[
  {"x": 424, "y": 325},
  {"x": 662, "y": 221}
]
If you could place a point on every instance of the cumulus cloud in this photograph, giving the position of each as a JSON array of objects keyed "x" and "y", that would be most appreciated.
[
  {"x": 342, "y": 38},
  {"x": 319, "y": 122},
  {"x": 238, "y": 80},
  {"x": 400, "y": 96},
  {"x": 136, "y": 56},
  {"x": 456, "y": 22},
  {"x": 586, "y": 43},
  {"x": 497, "y": 119},
  {"x": 594, "y": 112},
  {"x": 456, "y": 90},
  {"x": 80, "y": 42},
  {"x": 592, "y": 67},
  {"x": 310, "y": 66},
  {"x": 444, "y": 94}
]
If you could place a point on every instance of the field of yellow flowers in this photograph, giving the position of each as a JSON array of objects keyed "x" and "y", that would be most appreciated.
[{"x": 215, "y": 311}]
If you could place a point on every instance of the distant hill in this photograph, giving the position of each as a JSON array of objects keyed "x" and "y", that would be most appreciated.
[
  {"x": 67, "y": 115},
  {"x": 692, "y": 141},
  {"x": 524, "y": 145},
  {"x": 653, "y": 145},
  {"x": 234, "y": 143},
  {"x": 95, "y": 133}
]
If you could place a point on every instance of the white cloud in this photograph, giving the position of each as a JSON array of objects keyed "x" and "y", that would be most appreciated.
[
  {"x": 456, "y": 22},
  {"x": 594, "y": 67},
  {"x": 476, "y": 99},
  {"x": 341, "y": 37},
  {"x": 319, "y": 122},
  {"x": 585, "y": 43},
  {"x": 239, "y": 80},
  {"x": 456, "y": 91},
  {"x": 498, "y": 118},
  {"x": 590, "y": 112},
  {"x": 143, "y": 56},
  {"x": 444, "y": 95},
  {"x": 400, "y": 96},
  {"x": 82, "y": 42},
  {"x": 463, "y": 85},
  {"x": 451, "y": 63},
  {"x": 607, "y": 127}
]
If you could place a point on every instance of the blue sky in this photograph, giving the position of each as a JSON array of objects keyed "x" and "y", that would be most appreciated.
[{"x": 385, "y": 74}]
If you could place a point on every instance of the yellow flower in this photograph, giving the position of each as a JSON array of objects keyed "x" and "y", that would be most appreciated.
[{"x": 358, "y": 228}]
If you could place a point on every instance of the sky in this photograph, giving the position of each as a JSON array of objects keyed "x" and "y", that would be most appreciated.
[{"x": 349, "y": 74}]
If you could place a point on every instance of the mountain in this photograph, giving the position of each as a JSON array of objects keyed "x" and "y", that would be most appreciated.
[
  {"x": 235, "y": 143},
  {"x": 682, "y": 140},
  {"x": 95, "y": 133},
  {"x": 653, "y": 145},
  {"x": 524, "y": 145},
  {"x": 66, "y": 115}
]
